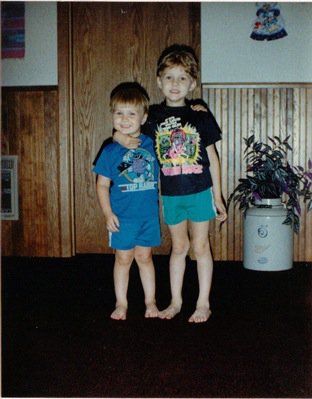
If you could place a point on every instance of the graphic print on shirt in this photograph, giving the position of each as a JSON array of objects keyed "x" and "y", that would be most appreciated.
[
  {"x": 138, "y": 168},
  {"x": 177, "y": 148}
]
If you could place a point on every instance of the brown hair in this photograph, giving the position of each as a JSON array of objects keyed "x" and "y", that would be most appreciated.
[
  {"x": 181, "y": 55},
  {"x": 129, "y": 93}
]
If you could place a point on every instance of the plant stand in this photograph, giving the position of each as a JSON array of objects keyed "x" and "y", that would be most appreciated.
[{"x": 268, "y": 243}]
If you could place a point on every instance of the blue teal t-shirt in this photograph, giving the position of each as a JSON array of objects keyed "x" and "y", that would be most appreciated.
[{"x": 134, "y": 177}]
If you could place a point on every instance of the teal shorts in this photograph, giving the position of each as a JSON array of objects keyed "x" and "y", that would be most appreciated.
[
  {"x": 197, "y": 207},
  {"x": 143, "y": 233}
]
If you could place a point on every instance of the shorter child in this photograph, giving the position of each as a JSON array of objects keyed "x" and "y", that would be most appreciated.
[{"x": 127, "y": 189}]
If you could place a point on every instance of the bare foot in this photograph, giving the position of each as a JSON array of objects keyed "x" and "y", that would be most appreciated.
[
  {"x": 151, "y": 311},
  {"x": 169, "y": 312},
  {"x": 201, "y": 314},
  {"x": 120, "y": 313}
]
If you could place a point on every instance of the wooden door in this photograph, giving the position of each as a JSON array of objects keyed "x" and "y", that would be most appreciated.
[{"x": 114, "y": 42}]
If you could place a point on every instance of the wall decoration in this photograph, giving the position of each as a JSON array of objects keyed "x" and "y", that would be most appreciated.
[
  {"x": 269, "y": 24},
  {"x": 13, "y": 29},
  {"x": 9, "y": 187}
]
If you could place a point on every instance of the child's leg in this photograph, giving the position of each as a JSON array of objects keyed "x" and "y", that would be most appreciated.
[
  {"x": 202, "y": 252},
  {"x": 180, "y": 247},
  {"x": 123, "y": 261},
  {"x": 143, "y": 257}
]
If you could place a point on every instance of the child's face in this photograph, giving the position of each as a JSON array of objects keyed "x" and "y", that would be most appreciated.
[
  {"x": 128, "y": 118},
  {"x": 175, "y": 84}
]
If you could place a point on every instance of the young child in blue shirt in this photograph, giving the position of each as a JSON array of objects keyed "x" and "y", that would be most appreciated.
[
  {"x": 190, "y": 174},
  {"x": 127, "y": 189}
]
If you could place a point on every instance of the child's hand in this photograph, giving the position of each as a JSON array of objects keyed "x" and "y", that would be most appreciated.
[
  {"x": 112, "y": 223},
  {"x": 221, "y": 211},
  {"x": 198, "y": 107},
  {"x": 126, "y": 140}
]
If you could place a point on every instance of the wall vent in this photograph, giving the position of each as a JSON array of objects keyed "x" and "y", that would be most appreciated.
[{"x": 9, "y": 187}]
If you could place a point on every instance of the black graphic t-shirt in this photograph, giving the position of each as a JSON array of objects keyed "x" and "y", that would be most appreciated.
[{"x": 181, "y": 136}]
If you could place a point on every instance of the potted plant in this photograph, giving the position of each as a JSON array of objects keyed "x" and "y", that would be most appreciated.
[{"x": 271, "y": 185}]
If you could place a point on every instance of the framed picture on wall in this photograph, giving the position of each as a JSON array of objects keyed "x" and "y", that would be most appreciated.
[
  {"x": 13, "y": 29},
  {"x": 9, "y": 188}
]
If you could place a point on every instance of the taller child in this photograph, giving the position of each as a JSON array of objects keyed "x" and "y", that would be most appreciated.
[{"x": 190, "y": 174}]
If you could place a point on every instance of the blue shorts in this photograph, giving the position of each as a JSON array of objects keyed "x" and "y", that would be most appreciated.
[
  {"x": 143, "y": 233},
  {"x": 197, "y": 207}
]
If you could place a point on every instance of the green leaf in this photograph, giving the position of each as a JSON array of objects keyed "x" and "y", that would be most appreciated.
[{"x": 250, "y": 140}]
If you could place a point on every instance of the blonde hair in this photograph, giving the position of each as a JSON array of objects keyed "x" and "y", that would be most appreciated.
[
  {"x": 179, "y": 55},
  {"x": 129, "y": 93}
]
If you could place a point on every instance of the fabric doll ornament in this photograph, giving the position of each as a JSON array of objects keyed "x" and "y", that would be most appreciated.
[{"x": 269, "y": 24}]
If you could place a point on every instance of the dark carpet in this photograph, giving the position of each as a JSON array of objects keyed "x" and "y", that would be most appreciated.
[{"x": 59, "y": 341}]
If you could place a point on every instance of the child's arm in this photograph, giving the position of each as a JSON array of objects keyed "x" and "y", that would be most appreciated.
[
  {"x": 198, "y": 105},
  {"x": 216, "y": 180},
  {"x": 102, "y": 190},
  {"x": 127, "y": 141}
]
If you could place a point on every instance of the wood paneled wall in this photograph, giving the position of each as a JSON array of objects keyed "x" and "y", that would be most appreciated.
[
  {"x": 30, "y": 131},
  {"x": 264, "y": 110}
]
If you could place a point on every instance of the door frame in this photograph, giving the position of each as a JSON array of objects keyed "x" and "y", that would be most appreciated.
[{"x": 66, "y": 200}]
